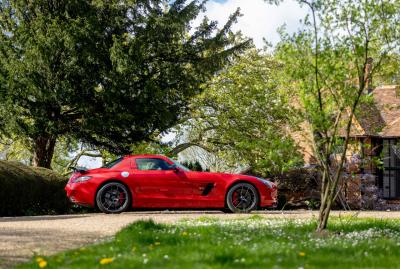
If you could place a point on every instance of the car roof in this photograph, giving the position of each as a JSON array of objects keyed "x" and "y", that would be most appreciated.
[{"x": 147, "y": 156}]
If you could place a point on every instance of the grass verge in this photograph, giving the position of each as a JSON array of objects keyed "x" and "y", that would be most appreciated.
[{"x": 253, "y": 242}]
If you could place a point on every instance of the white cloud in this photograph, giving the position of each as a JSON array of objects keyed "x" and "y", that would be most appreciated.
[{"x": 260, "y": 20}]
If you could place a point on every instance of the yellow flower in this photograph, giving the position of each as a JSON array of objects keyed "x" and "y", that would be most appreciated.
[
  {"x": 302, "y": 254},
  {"x": 106, "y": 261},
  {"x": 157, "y": 243},
  {"x": 184, "y": 233},
  {"x": 42, "y": 263}
]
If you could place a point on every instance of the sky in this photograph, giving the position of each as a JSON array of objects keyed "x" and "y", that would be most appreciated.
[{"x": 259, "y": 21}]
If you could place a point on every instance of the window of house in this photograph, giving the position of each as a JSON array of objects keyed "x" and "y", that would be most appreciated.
[{"x": 391, "y": 171}]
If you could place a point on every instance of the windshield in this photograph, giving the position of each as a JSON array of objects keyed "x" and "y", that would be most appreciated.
[
  {"x": 184, "y": 168},
  {"x": 113, "y": 163}
]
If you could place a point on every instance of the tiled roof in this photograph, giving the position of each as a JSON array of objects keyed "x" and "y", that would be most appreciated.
[{"x": 380, "y": 117}]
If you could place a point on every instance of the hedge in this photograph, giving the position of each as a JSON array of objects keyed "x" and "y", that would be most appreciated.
[{"x": 26, "y": 190}]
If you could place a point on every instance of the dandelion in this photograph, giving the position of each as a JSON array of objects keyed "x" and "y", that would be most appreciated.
[
  {"x": 184, "y": 233},
  {"x": 106, "y": 261},
  {"x": 157, "y": 243},
  {"x": 302, "y": 254},
  {"x": 41, "y": 262}
]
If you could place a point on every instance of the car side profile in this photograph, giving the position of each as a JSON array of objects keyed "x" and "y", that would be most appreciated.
[{"x": 155, "y": 181}]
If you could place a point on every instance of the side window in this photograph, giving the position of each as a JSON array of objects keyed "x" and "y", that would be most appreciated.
[{"x": 152, "y": 164}]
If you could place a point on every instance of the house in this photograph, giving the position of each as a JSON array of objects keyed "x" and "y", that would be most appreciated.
[
  {"x": 378, "y": 128},
  {"x": 373, "y": 158}
]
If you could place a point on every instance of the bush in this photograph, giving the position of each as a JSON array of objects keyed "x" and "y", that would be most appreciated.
[
  {"x": 26, "y": 190},
  {"x": 298, "y": 188},
  {"x": 299, "y": 179}
]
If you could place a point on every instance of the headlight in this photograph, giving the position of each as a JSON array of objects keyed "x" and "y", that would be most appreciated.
[
  {"x": 81, "y": 179},
  {"x": 266, "y": 182}
]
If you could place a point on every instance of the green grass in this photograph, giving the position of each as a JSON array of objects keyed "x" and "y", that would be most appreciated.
[{"x": 253, "y": 242}]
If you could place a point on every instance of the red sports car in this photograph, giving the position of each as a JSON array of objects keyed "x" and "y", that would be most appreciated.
[{"x": 154, "y": 181}]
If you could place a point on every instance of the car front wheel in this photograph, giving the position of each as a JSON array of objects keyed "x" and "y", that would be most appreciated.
[
  {"x": 113, "y": 197},
  {"x": 242, "y": 198}
]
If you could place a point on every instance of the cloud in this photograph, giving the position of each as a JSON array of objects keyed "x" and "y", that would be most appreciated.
[{"x": 259, "y": 19}]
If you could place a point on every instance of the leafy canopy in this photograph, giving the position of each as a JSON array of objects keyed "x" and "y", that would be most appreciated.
[
  {"x": 108, "y": 73},
  {"x": 243, "y": 116}
]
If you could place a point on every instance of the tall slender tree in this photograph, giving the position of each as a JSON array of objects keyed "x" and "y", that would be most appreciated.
[{"x": 331, "y": 63}]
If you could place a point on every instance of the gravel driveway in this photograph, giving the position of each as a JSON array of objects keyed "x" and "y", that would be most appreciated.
[{"x": 22, "y": 237}]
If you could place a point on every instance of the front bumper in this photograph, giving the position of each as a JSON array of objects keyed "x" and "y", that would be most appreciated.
[
  {"x": 80, "y": 193},
  {"x": 268, "y": 197}
]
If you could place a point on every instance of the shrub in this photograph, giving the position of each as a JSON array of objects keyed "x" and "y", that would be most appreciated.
[
  {"x": 299, "y": 179},
  {"x": 298, "y": 188},
  {"x": 28, "y": 190}
]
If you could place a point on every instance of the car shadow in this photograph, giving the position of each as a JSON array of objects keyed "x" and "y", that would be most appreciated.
[{"x": 38, "y": 218}]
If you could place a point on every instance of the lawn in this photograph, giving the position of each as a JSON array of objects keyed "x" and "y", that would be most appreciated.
[{"x": 252, "y": 242}]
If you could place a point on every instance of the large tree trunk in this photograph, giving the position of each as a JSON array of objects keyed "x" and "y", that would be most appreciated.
[{"x": 43, "y": 150}]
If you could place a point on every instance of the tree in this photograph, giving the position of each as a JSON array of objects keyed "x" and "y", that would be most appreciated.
[
  {"x": 107, "y": 73},
  {"x": 243, "y": 115},
  {"x": 330, "y": 64}
]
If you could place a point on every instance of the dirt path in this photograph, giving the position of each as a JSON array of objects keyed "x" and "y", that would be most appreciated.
[{"x": 22, "y": 237}]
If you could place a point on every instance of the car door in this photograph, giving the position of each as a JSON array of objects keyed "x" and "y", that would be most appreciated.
[
  {"x": 157, "y": 185},
  {"x": 207, "y": 190}
]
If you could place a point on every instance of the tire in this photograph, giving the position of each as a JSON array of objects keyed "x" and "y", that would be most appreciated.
[
  {"x": 113, "y": 198},
  {"x": 242, "y": 198}
]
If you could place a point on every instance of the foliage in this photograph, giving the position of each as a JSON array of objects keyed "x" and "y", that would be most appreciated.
[
  {"x": 330, "y": 64},
  {"x": 154, "y": 147},
  {"x": 107, "y": 73},
  {"x": 252, "y": 242},
  {"x": 298, "y": 188},
  {"x": 63, "y": 154},
  {"x": 243, "y": 116},
  {"x": 67, "y": 153},
  {"x": 15, "y": 149},
  {"x": 31, "y": 191},
  {"x": 298, "y": 179}
]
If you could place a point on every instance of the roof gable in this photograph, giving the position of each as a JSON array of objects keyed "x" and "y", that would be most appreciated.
[{"x": 382, "y": 117}]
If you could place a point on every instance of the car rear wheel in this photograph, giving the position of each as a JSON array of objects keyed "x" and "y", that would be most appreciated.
[
  {"x": 113, "y": 197},
  {"x": 242, "y": 198}
]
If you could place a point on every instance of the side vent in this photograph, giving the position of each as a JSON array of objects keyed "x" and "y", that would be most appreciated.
[{"x": 207, "y": 189}]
